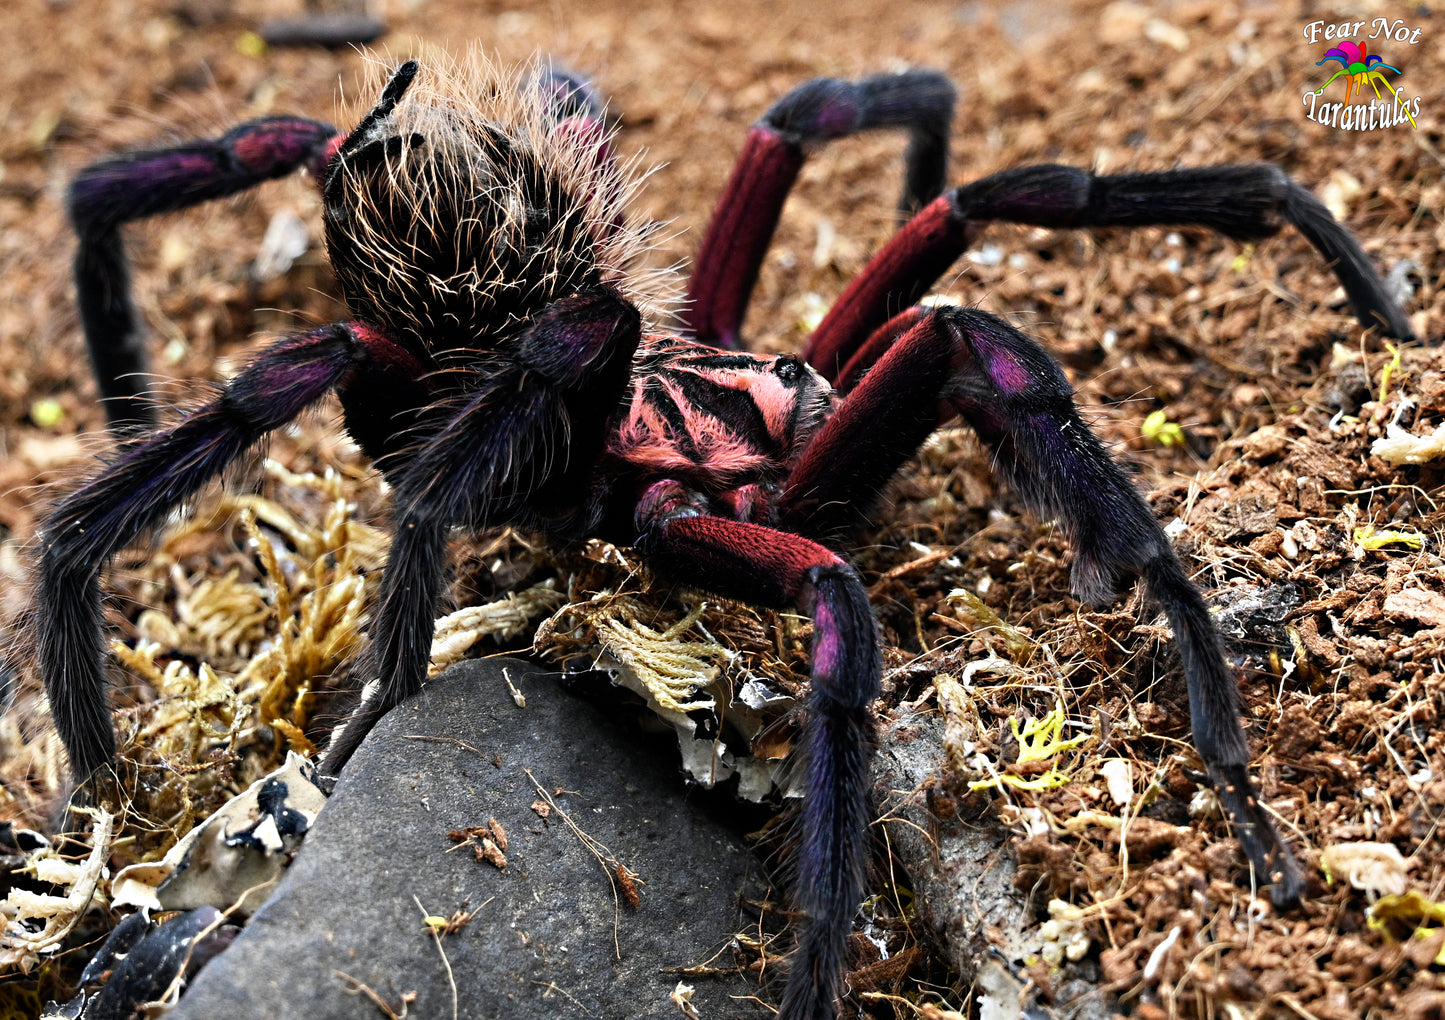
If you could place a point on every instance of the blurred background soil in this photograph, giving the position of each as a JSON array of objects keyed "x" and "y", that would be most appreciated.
[{"x": 1265, "y": 398}]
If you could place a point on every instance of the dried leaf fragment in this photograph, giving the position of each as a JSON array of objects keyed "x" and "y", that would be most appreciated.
[
  {"x": 487, "y": 842},
  {"x": 627, "y": 882},
  {"x": 982, "y": 618},
  {"x": 682, "y": 999},
  {"x": 491, "y": 853},
  {"x": 1419, "y": 604},
  {"x": 1411, "y": 908}
]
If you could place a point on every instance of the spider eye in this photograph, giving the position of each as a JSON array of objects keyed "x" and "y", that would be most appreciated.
[{"x": 788, "y": 368}]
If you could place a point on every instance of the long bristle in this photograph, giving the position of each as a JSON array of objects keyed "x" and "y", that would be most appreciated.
[{"x": 475, "y": 201}]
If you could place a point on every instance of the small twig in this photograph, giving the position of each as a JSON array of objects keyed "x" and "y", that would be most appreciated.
[
  {"x": 553, "y": 986},
  {"x": 928, "y": 1011},
  {"x": 436, "y": 936},
  {"x": 381, "y": 1004},
  {"x": 447, "y": 740},
  {"x": 703, "y": 969},
  {"x": 605, "y": 858}
]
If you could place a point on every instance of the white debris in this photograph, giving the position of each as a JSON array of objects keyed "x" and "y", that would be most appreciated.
[
  {"x": 1400, "y": 446},
  {"x": 1376, "y": 868},
  {"x": 988, "y": 255},
  {"x": 287, "y": 238},
  {"x": 1159, "y": 31},
  {"x": 1340, "y": 192},
  {"x": 1205, "y": 804},
  {"x": 1002, "y": 995},
  {"x": 1118, "y": 780},
  {"x": 682, "y": 998},
  {"x": 1063, "y": 935},
  {"x": 1156, "y": 958},
  {"x": 21, "y": 945}
]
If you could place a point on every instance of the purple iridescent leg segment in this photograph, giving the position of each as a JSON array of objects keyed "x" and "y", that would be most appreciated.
[
  {"x": 135, "y": 185},
  {"x": 1017, "y": 399},
  {"x": 815, "y": 112}
]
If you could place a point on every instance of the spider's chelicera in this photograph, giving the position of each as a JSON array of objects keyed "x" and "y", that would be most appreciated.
[{"x": 498, "y": 370}]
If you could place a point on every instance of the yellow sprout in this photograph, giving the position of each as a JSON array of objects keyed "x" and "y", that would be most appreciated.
[
  {"x": 1389, "y": 370},
  {"x": 1038, "y": 741},
  {"x": 1157, "y": 428}
]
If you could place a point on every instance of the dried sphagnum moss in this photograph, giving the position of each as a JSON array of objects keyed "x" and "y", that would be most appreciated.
[
  {"x": 683, "y": 654},
  {"x": 230, "y": 660}
]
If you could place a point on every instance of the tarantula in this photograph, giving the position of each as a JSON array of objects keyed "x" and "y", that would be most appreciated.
[{"x": 498, "y": 371}]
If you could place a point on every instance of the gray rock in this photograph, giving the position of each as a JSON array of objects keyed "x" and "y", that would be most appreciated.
[{"x": 544, "y": 940}]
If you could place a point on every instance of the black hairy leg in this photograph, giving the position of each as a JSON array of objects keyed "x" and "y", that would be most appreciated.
[
  {"x": 1246, "y": 202},
  {"x": 518, "y": 446},
  {"x": 966, "y": 363},
  {"x": 783, "y": 570},
  {"x": 135, "y": 185},
  {"x": 148, "y": 479}
]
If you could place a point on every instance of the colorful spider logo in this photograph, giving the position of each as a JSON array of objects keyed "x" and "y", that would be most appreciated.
[{"x": 1360, "y": 67}]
